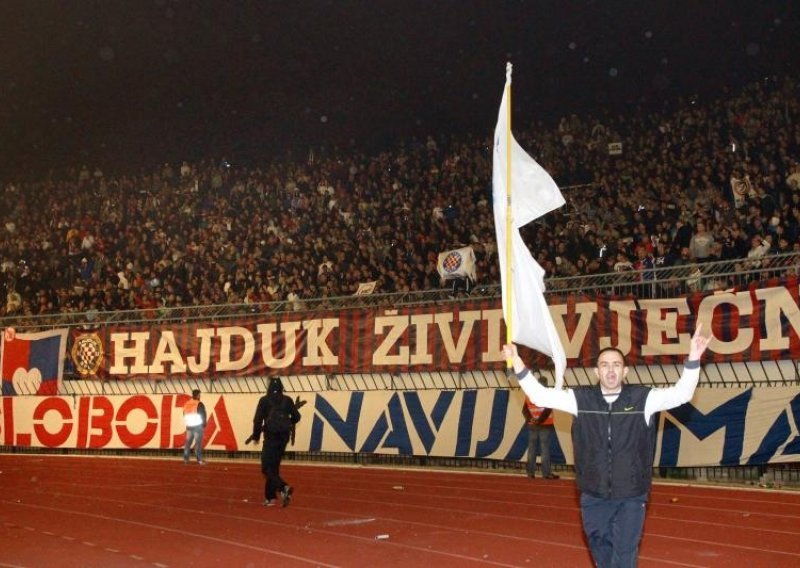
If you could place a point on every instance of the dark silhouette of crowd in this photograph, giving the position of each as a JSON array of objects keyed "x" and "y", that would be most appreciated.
[{"x": 700, "y": 180}]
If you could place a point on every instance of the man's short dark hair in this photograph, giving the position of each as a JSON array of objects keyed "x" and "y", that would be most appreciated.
[
  {"x": 605, "y": 349},
  {"x": 195, "y": 393}
]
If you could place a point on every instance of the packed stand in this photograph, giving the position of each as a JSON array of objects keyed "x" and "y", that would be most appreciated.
[{"x": 707, "y": 180}]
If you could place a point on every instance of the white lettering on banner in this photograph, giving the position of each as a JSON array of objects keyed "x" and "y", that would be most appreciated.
[
  {"x": 623, "y": 310},
  {"x": 203, "y": 364},
  {"x": 778, "y": 302},
  {"x": 421, "y": 324},
  {"x": 662, "y": 326},
  {"x": 397, "y": 326},
  {"x": 742, "y": 302},
  {"x": 167, "y": 352},
  {"x": 267, "y": 330},
  {"x": 468, "y": 319},
  {"x": 226, "y": 335},
  {"x": 317, "y": 351},
  {"x": 586, "y": 312},
  {"x": 122, "y": 352},
  {"x": 493, "y": 319},
  {"x": 413, "y": 339}
]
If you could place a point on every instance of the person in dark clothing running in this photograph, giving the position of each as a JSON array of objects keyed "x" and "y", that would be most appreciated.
[{"x": 275, "y": 417}]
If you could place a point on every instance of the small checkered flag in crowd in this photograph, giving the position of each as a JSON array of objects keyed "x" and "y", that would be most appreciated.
[
  {"x": 742, "y": 189},
  {"x": 457, "y": 263}
]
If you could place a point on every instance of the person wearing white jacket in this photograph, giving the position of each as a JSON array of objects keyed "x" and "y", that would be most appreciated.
[{"x": 613, "y": 438}]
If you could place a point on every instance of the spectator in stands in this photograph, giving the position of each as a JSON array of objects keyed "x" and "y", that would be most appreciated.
[
  {"x": 701, "y": 242},
  {"x": 759, "y": 248},
  {"x": 178, "y": 226},
  {"x": 613, "y": 439},
  {"x": 731, "y": 245},
  {"x": 622, "y": 264}
]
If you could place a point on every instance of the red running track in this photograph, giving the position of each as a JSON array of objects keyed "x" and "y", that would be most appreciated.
[{"x": 118, "y": 512}]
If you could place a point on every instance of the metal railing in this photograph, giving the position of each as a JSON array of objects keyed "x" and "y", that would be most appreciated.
[{"x": 649, "y": 283}]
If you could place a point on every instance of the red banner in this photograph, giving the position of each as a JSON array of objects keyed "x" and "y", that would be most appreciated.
[{"x": 762, "y": 323}]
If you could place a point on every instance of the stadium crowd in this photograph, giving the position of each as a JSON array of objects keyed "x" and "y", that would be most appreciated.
[{"x": 701, "y": 180}]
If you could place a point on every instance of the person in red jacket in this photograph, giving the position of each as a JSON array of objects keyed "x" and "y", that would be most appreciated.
[
  {"x": 540, "y": 429},
  {"x": 194, "y": 417}
]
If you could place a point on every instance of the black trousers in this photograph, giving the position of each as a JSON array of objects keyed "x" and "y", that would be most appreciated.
[
  {"x": 271, "y": 456},
  {"x": 613, "y": 529}
]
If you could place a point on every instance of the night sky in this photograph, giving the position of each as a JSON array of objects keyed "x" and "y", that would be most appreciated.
[{"x": 133, "y": 83}]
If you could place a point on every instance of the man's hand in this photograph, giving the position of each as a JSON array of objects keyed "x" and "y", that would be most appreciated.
[
  {"x": 698, "y": 344},
  {"x": 252, "y": 439},
  {"x": 511, "y": 354},
  {"x": 510, "y": 350}
]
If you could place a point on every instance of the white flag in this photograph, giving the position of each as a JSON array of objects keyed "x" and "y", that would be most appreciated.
[
  {"x": 533, "y": 194},
  {"x": 742, "y": 189},
  {"x": 365, "y": 288},
  {"x": 457, "y": 263}
]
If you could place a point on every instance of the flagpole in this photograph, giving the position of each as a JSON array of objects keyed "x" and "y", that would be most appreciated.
[{"x": 509, "y": 224}]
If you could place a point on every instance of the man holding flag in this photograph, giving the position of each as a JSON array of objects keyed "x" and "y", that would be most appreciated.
[
  {"x": 518, "y": 181},
  {"x": 613, "y": 432},
  {"x": 613, "y": 436}
]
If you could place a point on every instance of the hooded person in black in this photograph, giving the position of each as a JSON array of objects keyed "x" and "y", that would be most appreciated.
[{"x": 275, "y": 416}]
